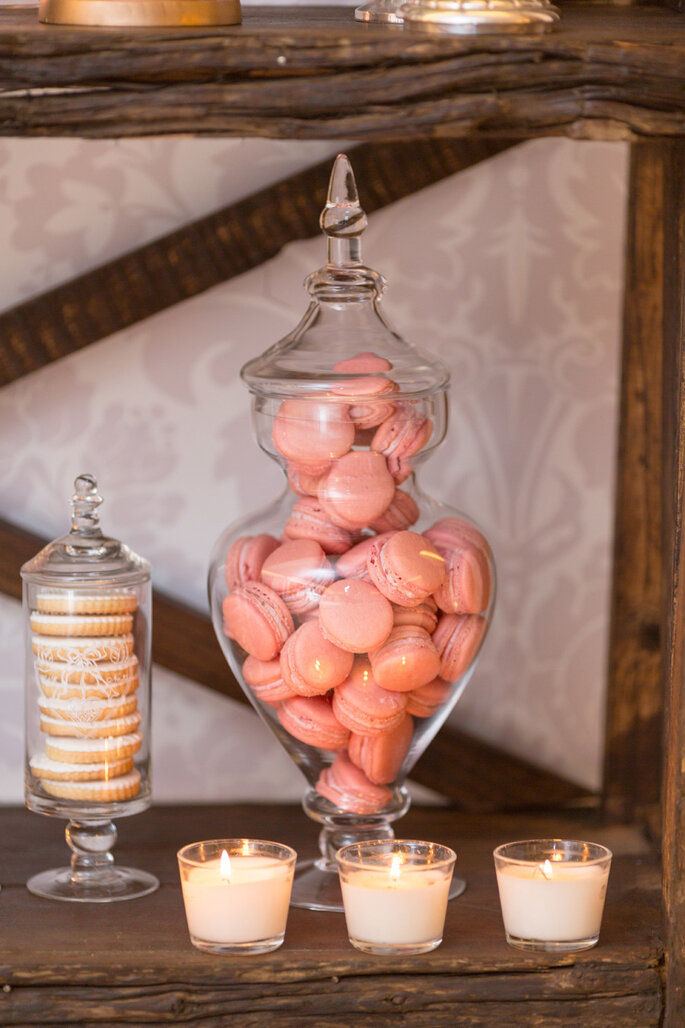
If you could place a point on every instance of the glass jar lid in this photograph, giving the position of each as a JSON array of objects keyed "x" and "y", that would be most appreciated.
[
  {"x": 344, "y": 330},
  {"x": 85, "y": 553}
]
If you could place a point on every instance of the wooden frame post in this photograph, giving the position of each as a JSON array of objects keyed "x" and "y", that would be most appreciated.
[
  {"x": 634, "y": 709},
  {"x": 673, "y": 159}
]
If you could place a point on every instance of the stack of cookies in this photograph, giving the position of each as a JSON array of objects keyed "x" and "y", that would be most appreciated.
[{"x": 87, "y": 672}]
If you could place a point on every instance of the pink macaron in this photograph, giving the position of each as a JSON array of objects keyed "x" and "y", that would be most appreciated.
[
  {"x": 424, "y": 702},
  {"x": 406, "y": 568},
  {"x": 363, "y": 706},
  {"x": 468, "y": 582},
  {"x": 311, "y": 720},
  {"x": 365, "y": 363},
  {"x": 299, "y": 571},
  {"x": 400, "y": 439},
  {"x": 452, "y": 532},
  {"x": 309, "y": 521},
  {"x": 401, "y": 513},
  {"x": 353, "y": 563},
  {"x": 355, "y": 615},
  {"x": 257, "y": 619},
  {"x": 266, "y": 681},
  {"x": 305, "y": 479},
  {"x": 311, "y": 664},
  {"x": 348, "y": 788},
  {"x": 423, "y": 615},
  {"x": 309, "y": 431},
  {"x": 357, "y": 489},
  {"x": 246, "y": 556},
  {"x": 369, "y": 395},
  {"x": 407, "y": 659},
  {"x": 457, "y": 639},
  {"x": 381, "y": 756}
]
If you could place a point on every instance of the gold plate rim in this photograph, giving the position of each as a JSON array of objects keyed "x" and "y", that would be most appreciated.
[{"x": 143, "y": 13}]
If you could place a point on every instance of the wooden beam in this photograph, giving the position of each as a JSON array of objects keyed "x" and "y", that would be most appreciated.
[
  {"x": 635, "y": 702},
  {"x": 673, "y": 157},
  {"x": 473, "y": 774},
  {"x": 213, "y": 249}
]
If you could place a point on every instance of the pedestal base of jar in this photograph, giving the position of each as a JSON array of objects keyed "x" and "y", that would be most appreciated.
[
  {"x": 116, "y": 883},
  {"x": 479, "y": 17},
  {"x": 93, "y": 876},
  {"x": 315, "y": 888},
  {"x": 385, "y": 11}
]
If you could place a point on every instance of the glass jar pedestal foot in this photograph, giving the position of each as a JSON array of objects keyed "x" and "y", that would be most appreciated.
[
  {"x": 93, "y": 876},
  {"x": 317, "y": 884},
  {"x": 463, "y": 17}
]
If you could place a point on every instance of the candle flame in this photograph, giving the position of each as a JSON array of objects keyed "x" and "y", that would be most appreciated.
[
  {"x": 395, "y": 865},
  {"x": 225, "y": 866},
  {"x": 546, "y": 870}
]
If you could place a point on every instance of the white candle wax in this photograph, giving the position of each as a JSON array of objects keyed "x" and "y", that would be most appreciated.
[
  {"x": 409, "y": 908},
  {"x": 554, "y": 901},
  {"x": 251, "y": 905}
]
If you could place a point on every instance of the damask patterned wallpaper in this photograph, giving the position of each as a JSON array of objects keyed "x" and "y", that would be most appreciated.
[{"x": 510, "y": 272}]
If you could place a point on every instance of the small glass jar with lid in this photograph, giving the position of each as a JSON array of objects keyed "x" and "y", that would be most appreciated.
[{"x": 87, "y": 614}]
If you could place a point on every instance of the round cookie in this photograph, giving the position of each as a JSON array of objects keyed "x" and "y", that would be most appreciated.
[
  {"x": 257, "y": 619},
  {"x": 82, "y": 672},
  {"x": 308, "y": 431},
  {"x": 84, "y": 711},
  {"x": 107, "y": 690},
  {"x": 73, "y": 650},
  {"x": 354, "y": 615},
  {"x": 87, "y": 751},
  {"x": 123, "y": 788},
  {"x": 61, "y": 601},
  {"x": 90, "y": 729},
  {"x": 55, "y": 770},
  {"x": 80, "y": 624},
  {"x": 348, "y": 788}
]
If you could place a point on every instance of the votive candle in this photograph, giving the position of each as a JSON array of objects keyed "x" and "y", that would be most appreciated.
[
  {"x": 552, "y": 892},
  {"x": 395, "y": 894},
  {"x": 236, "y": 893}
]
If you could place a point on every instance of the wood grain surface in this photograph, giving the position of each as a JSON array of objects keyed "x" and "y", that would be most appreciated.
[
  {"x": 634, "y": 721},
  {"x": 673, "y": 157},
  {"x": 606, "y": 72},
  {"x": 132, "y": 963}
]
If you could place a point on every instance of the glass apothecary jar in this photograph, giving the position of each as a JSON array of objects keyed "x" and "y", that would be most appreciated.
[
  {"x": 87, "y": 615},
  {"x": 351, "y": 609}
]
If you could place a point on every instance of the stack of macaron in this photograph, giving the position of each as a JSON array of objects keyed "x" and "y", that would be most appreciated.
[
  {"x": 352, "y": 626},
  {"x": 87, "y": 675}
]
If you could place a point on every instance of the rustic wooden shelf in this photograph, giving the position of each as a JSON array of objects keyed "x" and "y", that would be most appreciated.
[
  {"x": 604, "y": 72},
  {"x": 132, "y": 964}
]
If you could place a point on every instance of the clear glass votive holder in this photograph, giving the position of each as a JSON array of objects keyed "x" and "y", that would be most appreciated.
[
  {"x": 395, "y": 894},
  {"x": 236, "y": 894},
  {"x": 552, "y": 893}
]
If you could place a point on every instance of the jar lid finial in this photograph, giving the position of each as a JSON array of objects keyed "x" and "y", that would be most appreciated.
[
  {"x": 84, "y": 504},
  {"x": 343, "y": 219}
]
